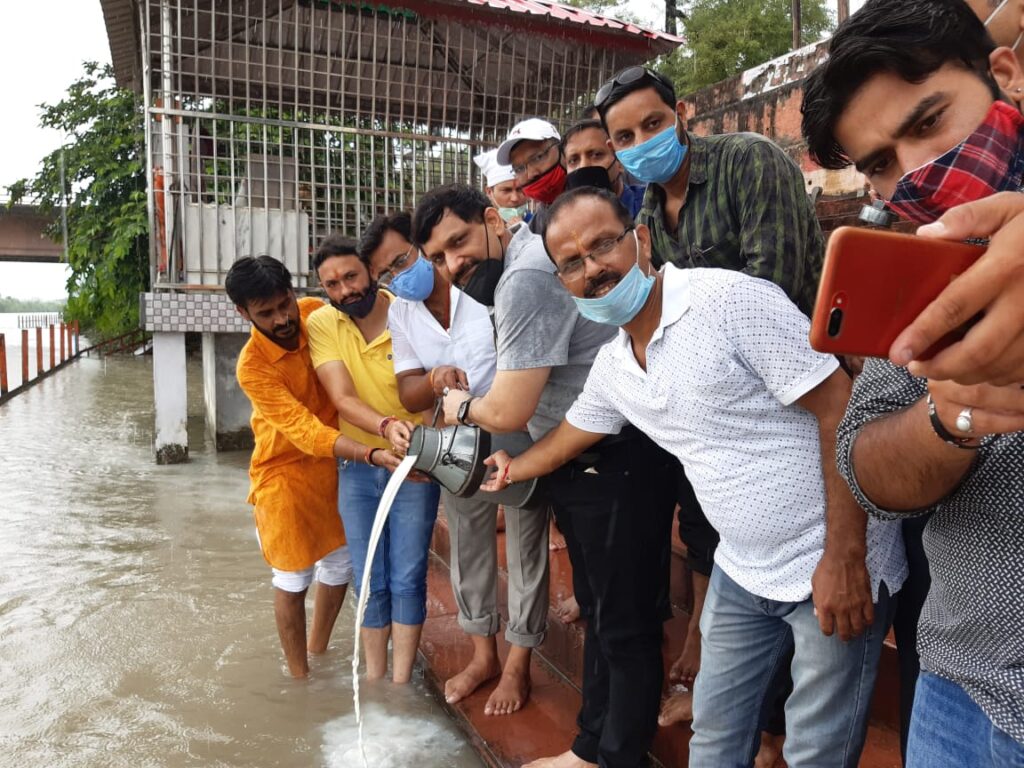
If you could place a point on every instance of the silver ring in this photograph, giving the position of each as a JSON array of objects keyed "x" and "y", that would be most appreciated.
[
  {"x": 964, "y": 422},
  {"x": 445, "y": 391}
]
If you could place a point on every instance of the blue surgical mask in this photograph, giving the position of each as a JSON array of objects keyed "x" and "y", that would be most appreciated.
[
  {"x": 414, "y": 283},
  {"x": 656, "y": 160},
  {"x": 622, "y": 303}
]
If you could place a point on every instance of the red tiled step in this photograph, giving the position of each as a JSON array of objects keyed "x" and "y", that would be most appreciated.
[{"x": 547, "y": 724}]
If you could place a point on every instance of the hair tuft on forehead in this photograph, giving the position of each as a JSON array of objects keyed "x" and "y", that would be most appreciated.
[{"x": 911, "y": 39}]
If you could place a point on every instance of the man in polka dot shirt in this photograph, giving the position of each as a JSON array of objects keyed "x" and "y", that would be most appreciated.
[{"x": 715, "y": 367}]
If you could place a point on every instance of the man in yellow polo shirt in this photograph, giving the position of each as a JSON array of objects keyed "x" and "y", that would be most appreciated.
[
  {"x": 351, "y": 351},
  {"x": 294, "y": 482}
]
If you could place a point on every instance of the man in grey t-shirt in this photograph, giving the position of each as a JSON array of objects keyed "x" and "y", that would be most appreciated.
[{"x": 614, "y": 504}]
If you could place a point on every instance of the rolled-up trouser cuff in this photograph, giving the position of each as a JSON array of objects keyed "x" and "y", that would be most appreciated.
[
  {"x": 524, "y": 640},
  {"x": 485, "y": 626},
  {"x": 409, "y": 609}
]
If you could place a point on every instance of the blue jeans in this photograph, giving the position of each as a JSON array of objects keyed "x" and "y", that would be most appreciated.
[
  {"x": 743, "y": 640},
  {"x": 948, "y": 730},
  {"x": 398, "y": 580}
]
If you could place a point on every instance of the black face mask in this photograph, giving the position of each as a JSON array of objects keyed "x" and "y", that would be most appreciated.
[
  {"x": 484, "y": 281},
  {"x": 591, "y": 176},
  {"x": 482, "y": 284},
  {"x": 361, "y": 308}
]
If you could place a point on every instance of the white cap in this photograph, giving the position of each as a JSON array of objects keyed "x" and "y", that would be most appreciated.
[
  {"x": 494, "y": 173},
  {"x": 532, "y": 129}
]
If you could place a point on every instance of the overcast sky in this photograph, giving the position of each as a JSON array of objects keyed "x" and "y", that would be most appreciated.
[{"x": 42, "y": 47}]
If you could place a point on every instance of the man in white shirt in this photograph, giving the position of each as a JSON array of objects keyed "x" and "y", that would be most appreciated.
[
  {"x": 443, "y": 339},
  {"x": 715, "y": 367}
]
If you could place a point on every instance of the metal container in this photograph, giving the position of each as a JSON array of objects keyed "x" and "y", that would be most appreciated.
[{"x": 454, "y": 457}]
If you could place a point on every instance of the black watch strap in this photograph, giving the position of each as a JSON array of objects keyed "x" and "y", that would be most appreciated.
[{"x": 463, "y": 414}]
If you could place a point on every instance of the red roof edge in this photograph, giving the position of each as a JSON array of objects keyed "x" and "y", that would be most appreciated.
[{"x": 552, "y": 19}]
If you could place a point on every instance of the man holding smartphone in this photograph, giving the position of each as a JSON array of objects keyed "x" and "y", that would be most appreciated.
[{"x": 918, "y": 97}]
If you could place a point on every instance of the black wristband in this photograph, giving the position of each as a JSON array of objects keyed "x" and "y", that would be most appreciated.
[
  {"x": 369, "y": 456},
  {"x": 947, "y": 436},
  {"x": 463, "y": 415}
]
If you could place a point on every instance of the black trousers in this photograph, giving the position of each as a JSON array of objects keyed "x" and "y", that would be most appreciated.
[
  {"x": 909, "y": 602},
  {"x": 615, "y": 507}
]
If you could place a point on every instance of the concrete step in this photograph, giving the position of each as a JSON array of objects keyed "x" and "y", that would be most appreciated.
[{"x": 546, "y": 725}]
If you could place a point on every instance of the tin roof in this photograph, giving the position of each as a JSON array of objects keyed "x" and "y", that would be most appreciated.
[
  {"x": 571, "y": 15},
  {"x": 532, "y": 17}
]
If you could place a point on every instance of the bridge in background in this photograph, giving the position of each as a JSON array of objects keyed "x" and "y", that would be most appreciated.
[{"x": 23, "y": 235}]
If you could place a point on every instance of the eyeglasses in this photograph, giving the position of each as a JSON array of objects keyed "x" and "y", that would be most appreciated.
[
  {"x": 628, "y": 76},
  {"x": 572, "y": 270},
  {"x": 384, "y": 278},
  {"x": 534, "y": 161}
]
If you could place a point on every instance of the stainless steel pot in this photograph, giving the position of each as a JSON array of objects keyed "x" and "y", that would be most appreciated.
[{"x": 454, "y": 457}]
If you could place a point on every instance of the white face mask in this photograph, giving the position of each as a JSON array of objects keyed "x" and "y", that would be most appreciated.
[{"x": 996, "y": 13}]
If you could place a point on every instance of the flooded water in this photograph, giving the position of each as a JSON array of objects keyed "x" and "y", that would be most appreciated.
[
  {"x": 12, "y": 337},
  {"x": 136, "y": 619}
]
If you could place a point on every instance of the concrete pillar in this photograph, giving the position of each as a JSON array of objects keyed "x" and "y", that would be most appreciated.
[
  {"x": 227, "y": 408},
  {"x": 171, "y": 398}
]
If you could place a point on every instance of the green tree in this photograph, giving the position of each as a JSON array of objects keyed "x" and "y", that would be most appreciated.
[
  {"x": 11, "y": 304},
  {"x": 104, "y": 190},
  {"x": 726, "y": 37}
]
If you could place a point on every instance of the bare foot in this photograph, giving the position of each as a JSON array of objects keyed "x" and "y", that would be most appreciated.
[
  {"x": 565, "y": 760},
  {"x": 511, "y": 694},
  {"x": 475, "y": 674},
  {"x": 677, "y": 708},
  {"x": 500, "y": 524},
  {"x": 568, "y": 610},
  {"x": 556, "y": 540},
  {"x": 684, "y": 669},
  {"x": 771, "y": 750}
]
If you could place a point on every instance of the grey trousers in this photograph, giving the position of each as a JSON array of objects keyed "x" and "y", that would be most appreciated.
[{"x": 472, "y": 527}]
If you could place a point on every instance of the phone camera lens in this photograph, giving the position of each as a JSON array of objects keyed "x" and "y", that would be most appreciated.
[{"x": 835, "y": 322}]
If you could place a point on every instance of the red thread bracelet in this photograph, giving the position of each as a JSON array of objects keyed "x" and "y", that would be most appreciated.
[
  {"x": 382, "y": 428},
  {"x": 505, "y": 479}
]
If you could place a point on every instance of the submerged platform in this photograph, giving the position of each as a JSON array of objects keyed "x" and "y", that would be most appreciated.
[{"x": 546, "y": 725}]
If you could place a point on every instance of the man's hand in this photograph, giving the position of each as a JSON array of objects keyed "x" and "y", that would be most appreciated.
[
  {"x": 386, "y": 459},
  {"x": 448, "y": 377},
  {"x": 496, "y": 480},
  {"x": 398, "y": 433},
  {"x": 841, "y": 590},
  {"x": 992, "y": 351},
  {"x": 452, "y": 401},
  {"x": 994, "y": 410}
]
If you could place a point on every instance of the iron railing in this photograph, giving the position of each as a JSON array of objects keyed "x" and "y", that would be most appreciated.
[{"x": 272, "y": 123}]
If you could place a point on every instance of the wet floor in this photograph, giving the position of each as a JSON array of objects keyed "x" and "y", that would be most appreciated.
[{"x": 136, "y": 624}]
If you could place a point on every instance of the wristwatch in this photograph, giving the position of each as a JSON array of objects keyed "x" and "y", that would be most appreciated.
[{"x": 462, "y": 416}]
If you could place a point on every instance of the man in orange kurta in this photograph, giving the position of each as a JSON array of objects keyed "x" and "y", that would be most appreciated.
[{"x": 293, "y": 472}]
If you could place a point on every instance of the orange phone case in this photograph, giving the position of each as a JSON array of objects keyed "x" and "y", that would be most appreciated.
[{"x": 875, "y": 283}]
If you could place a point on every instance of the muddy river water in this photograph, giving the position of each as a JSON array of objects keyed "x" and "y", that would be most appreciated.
[{"x": 136, "y": 620}]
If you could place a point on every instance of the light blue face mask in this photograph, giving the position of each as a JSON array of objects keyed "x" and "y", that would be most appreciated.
[
  {"x": 656, "y": 160},
  {"x": 508, "y": 214},
  {"x": 622, "y": 303},
  {"x": 415, "y": 283}
]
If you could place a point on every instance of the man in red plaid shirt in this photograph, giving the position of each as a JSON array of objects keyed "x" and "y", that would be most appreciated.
[{"x": 916, "y": 94}]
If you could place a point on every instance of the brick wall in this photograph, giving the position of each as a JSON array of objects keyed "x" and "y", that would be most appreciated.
[{"x": 766, "y": 100}]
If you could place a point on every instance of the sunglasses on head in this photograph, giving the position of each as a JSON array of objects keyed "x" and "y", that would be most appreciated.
[{"x": 627, "y": 76}]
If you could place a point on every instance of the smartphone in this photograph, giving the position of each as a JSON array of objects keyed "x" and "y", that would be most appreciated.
[{"x": 875, "y": 283}]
